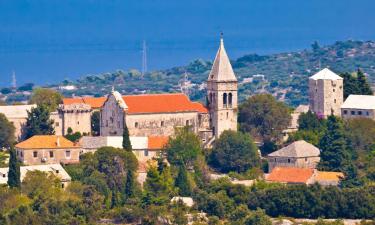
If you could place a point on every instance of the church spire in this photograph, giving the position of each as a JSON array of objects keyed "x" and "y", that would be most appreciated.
[{"x": 222, "y": 69}]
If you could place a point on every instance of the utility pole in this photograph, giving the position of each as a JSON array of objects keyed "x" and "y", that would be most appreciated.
[
  {"x": 144, "y": 58},
  {"x": 184, "y": 84}
]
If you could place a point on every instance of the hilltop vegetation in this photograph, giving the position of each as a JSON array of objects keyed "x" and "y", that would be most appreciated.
[{"x": 285, "y": 74}]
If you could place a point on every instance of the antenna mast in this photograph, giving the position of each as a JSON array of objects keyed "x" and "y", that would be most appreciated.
[
  {"x": 144, "y": 58},
  {"x": 184, "y": 84},
  {"x": 14, "y": 81}
]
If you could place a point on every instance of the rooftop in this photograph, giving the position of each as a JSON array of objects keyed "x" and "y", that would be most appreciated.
[
  {"x": 46, "y": 142},
  {"x": 359, "y": 102},
  {"x": 325, "y": 74},
  {"x": 328, "y": 176},
  {"x": 297, "y": 149},
  {"x": 290, "y": 175},
  {"x": 149, "y": 103}
]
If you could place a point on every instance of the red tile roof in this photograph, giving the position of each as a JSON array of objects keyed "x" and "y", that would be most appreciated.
[
  {"x": 157, "y": 142},
  {"x": 46, "y": 142},
  {"x": 290, "y": 175},
  {"x": 150, "y": 103}
]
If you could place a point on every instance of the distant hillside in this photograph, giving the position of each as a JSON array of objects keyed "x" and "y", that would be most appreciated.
[{"x": 284, "y": 74}]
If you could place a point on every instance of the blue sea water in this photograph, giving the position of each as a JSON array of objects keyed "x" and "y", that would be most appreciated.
[{"x": 46, "y": 41}]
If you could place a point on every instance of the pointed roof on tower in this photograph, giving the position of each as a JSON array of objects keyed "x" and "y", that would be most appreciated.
[{"x": 222, "y": 69}]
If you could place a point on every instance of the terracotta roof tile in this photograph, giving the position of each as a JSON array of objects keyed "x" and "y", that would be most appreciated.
[
  {"x": 157, "y": 142},
  {"x": 150, "y": 103},
  {"x": 46, "y": 142},
  {"x": 328, "y": 176},
  {"x": 290, "y": 175}
]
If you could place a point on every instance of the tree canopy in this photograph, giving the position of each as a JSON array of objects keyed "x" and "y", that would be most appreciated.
[
  {"x": 356, "y": 84},
  {"x": 38, "y": 122},
  {"x": 7, "y": 129},
  {"x": 48, "y": 97},
  {"x": 264, "y": 117},
  {"x": 234, "y": 151},
  {"x": 14, "y": 174}
]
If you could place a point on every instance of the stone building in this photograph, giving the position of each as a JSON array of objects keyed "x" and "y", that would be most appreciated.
[
  {"x": 299, "y": 154},
  {"x": 47, "y": 149},
  {"x": 359, "y": 106},
  {"x": 326, "y": 93},
  {"x": 17, "y": 114},
  {"x": 159, "y": 114}
]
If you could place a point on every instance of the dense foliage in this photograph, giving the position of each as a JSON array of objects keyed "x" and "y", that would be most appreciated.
[
  {"x": 126, "y": 139},
  {"x": 48, "y": 97},
  {"x": 7, "y": 130},
  {"x": 357, "y": 85},
  {"x": 38, "y": 122},
  {"x": 14, "y": 174},
  {"x": 264, "y": 117},
  {"x": 234, "y": 151}
]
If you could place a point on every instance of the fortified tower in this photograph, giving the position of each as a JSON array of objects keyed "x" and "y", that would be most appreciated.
[
  {"x": 222, "y": 93},
  {"x": 326, "y": 93}
]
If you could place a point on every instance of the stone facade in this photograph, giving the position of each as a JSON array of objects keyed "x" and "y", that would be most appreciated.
[
  {"x": 326, "y": 93},
  {"x": 359, "y": 106},
  {"x": 305, "y": 162},
  {"x": 76, "y": 116}
]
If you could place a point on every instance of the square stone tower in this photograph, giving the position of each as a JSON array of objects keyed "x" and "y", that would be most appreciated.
[
  {"x": 326, "y": 93},
  {"x": 222, "y": 94}
]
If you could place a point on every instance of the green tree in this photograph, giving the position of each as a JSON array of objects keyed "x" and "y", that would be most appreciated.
[
  {"x": 126, "y": 144},
  {"x": 7, "y": 138},
  {"x": 234, "y": 151},
  {"x": 95, "y": 123},
  {"x": 38, "y": 122},
  {"x": 306, "y": 135},
  {"x": 264, "y": 117},
  {"x": 130, "y": 185},
  {"x": 74, "y": 137},
  {"x": 14, "y": 174},
  {"x": 309, "y": 121},
  {"x": 156, "y": 190},
  {"x": 182, "y": 182},
  {"x": 336, "y": 154},
  {"x": 258, "y": 217},
  {"x": 183, "y": 148},
  {"x": 356, "y": 85},
  {"x": 48, "y": 97},
  {"x": 363, "y": 84}
]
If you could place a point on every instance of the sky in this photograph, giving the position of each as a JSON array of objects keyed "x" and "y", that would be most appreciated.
[{"x": 46, "y": 41}]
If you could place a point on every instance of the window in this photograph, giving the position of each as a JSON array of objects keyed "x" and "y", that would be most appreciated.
[
  {"x": 57, "y": 124},
  {"x": 162, "y": 123},
  {"x": 111, "y": 119},
  {"x": 51, "y": 154},
  {"x": 78, "y": 122},
  {"x": 57, "y": 171},
  {"x": 333, "y": 90},
  {"x": 4, "y": 175},
  {"x": 230, "y": 99},
  {"x": 352, "y": 112},
  {"x": 275, "y": 159},
  {"x": 21, "y": 153},
  {"x": 305, "y": 159},
  {"x": 334, "y": 100},
  {"x": 288, "y": 160},
  {"x": 360, "y": 113},
  {"x": 187, "y": 123},
  {"x": 35, "y": 154},
  {"x": 146, "y": 152},
  {"x": 227, "y": 115},
  {"x": 367, "y": 113},
  {"x": 345, "y": 112},
  {"x": 62, "y": 185},
  {"x": 106, "y": 123},
  {"x": 136, "y": 124},
  {"x": 225, "y": 100},
  {"x": 67, "y": 154}
]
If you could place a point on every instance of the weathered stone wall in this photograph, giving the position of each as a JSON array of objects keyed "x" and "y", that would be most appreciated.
[
  {"x": 19, "y": 124},
  {"x": 308, "y": 162},
  {"x": 111, "y": 118},
  {"x": 347, "y": 113},
  {"x": 326, "y": 96},
  {"x": 44, "y": 157}
]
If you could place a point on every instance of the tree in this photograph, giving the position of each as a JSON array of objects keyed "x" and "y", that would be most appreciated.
[
  {"x": 7, "y": 130},
  {"x": 126, "y": 144},
  {"x": 309, "y": 121},
  {"x": 234, "y": 151},
  {"x": 336, "y": 154},
  {"x": 258, "y": 217},
  {"x": 38, "y": 122},
  {"x": 73, "y": 136},
  {"x": 182, "y": 182},
  {"x": 306, "y": 135},
  {"x": 14, "y": 174},
  {"x": 363, "y": 84},
  {"x": 48, "y": 97},
  {"x": 156, "y": 190},
  {"x": 130, "y": 185},
  {"x": 95, "y": 123},
  {"x": 356, "y": 85},
  {"x": 264, "y": 117},
  {"x": 183, "y": 148}
]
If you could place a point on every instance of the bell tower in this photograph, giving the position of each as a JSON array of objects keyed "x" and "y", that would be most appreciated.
[{"x": 222, "y": 93}]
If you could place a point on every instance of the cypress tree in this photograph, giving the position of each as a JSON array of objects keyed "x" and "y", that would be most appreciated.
[
  {"x": 182, "y": 182},
  {"x": 129, "y": 185},
  {"x": 38, "y": 122},
  {"x": 14, "y": 170},
  {"x": 114, "y": 201},
  {"x": 126, "y": 144}
]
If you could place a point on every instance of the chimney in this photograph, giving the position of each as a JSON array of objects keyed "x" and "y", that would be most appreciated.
[{"x": 58, "y": 141}]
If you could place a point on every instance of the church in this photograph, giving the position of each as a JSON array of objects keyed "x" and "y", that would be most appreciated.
[{"x": 159, "y": 114}]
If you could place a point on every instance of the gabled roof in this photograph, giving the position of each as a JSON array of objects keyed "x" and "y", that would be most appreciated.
[
  {"x": 325, "y": 74},
  {"x": 359, "y": 102},
  {"x": 290, "y": 175},
  {"x": 16, "y": 111},
  {"x": 297, "y": 149},
  {"x": 46, "y": 142},
  {"x": 148, "y": 103},
  {"x": 222, "y": 69}
]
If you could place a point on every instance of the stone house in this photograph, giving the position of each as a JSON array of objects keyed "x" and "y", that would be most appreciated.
[
  {"x": 359, "y": 106},
  {"x": 47, "y": 149},
  {"x": 17, "y": 114},
  {"x": 299, "y": 154},
  {"x": 326, "y": 93},
  {"x": 55, "y": 169}
]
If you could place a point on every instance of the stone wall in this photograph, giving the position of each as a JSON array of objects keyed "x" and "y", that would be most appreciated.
[
  {"x": 357, "y": 113},
  {"x": 308, "y": 162},
  {"x": 111, "y": 118},
  {"x": 48, "y": 156},
  {"x": 326, "y": 96}
]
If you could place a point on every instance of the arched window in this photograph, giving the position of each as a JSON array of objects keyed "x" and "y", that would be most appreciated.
[
  {"x": 225, "y": 100},
  {"x": 230, "y": 99}
]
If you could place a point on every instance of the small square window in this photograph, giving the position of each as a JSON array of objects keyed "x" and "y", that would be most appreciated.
[
  {"x": 334, "y": 90},
  {"x": 35, "y": 154},
  {"x": 136, "y": 124},
  {"x": 352, "y": 112},
  {"x": 78, "y": 122},
  {"x": 345, "y": 112},
  {"x": 288, "y": 160},
  {"x": 67, "y": 154},
  {"x": 367, "y": 113},
  {"x": 360, "y": 113},
  {"x": 146, "y": 152},
  {"x": 162, "y": 123},
  {"x": 51, "y": 154},
  {"x": 57, "y": 124}
]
